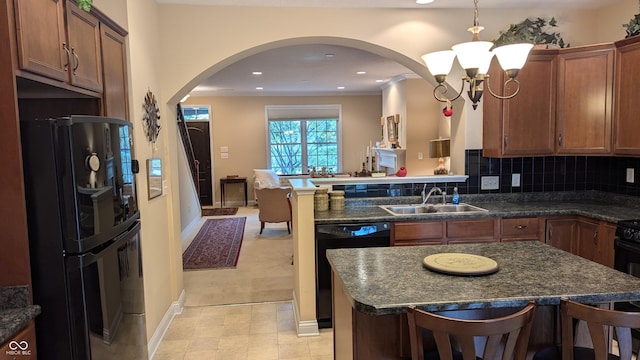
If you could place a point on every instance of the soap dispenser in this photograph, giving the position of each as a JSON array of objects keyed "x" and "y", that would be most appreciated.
[{"x": 456, "y": 196}]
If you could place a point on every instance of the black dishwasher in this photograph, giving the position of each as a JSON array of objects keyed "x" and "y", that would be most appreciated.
[{"x": 338, "y": 236}]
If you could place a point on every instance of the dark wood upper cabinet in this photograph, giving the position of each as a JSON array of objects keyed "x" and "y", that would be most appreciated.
[
  {"x": 114, "y": 60},
  {"x": 45, "y": 46},
  {"x": 585, "y": 99},
  {"x": 41, "y": 37},
  {"x": 525, "y": 124},
  {"x": 85, "y": 66},
  {"x": 565, "y": 105},
  {"x": 627, "y": 106}
]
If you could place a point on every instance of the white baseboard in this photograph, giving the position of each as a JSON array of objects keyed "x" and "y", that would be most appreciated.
[
  {"x": 173, "y": 310},
  {"x": 307, "y": 327},
  {"x": 189, "y": 232}
]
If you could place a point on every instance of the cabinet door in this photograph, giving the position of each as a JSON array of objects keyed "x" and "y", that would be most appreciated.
[
  {"x": 84, "y": 44},
  {"x": 525, "y": 124},
  {"x": 560, "y": 233},
  {"x": 627, "y": 106},
  {"x": 114, "y": 67},
  {"x": 587, "y": 242},
  {"x": 41, "y": 38},
  {"x": 595, "y": 241},
  {"x": 585, "y": 85}
]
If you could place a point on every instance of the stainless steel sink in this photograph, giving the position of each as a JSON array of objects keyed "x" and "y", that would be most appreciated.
[{"x": 431, "y": 209}]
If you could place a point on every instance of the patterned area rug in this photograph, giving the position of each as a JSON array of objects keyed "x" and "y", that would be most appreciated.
[
  {"x": 216, "y": 246},
  {"x": 219, "y": 211}
]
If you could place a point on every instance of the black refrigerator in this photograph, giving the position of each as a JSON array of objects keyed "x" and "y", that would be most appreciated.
[{"x": 84, "y": 242}]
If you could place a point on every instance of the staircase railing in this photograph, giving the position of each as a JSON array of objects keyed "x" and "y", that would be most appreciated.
[{"x": 188, "y": 149}]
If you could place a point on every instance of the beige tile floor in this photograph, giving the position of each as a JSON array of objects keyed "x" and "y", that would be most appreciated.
[
  {"x": 264, "y": 331},
  {"x": 246, "y": 312}
]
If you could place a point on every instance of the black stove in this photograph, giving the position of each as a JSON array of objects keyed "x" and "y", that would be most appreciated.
[{"x": 628, "y": 230}]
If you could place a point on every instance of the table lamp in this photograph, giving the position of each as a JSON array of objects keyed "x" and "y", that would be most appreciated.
[{"x": 440, "y": 148}]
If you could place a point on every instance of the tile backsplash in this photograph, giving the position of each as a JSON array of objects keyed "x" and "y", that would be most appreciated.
[
  {"x": 537, "y": 174},
  {"x": 552, "y": 173}
]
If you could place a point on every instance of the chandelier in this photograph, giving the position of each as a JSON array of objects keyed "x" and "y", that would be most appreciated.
[{"x": 475, "y": 57}]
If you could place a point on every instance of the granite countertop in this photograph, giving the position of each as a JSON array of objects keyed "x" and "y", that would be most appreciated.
[
  {"x": 381, "y": 281},
  {"x": 593, "y": 204},
  {"x": 15, "y": 311}
]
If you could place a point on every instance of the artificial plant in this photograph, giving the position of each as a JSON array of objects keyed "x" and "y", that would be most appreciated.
[
  {"x": 85, "y": 4},
  {"x": 633, "y": 27},
  {"x": 532, "y": 30}
]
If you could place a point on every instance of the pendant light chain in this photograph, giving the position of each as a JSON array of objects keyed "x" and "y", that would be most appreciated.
[{"x": 475, "y": 13}]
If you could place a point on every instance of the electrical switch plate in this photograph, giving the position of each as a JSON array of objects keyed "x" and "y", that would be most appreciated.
[
  {"x": 224, "y": 149},
  {"x": 419, "y": 156},
  {"x": 515, "y": 180},
  {"x": 224, "y": 155},
  {"x": 489, "y": 183},
  {"x": 630, "y": 175}
]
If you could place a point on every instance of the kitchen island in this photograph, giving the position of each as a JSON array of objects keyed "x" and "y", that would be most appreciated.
[{"x": 373, "y": 287}]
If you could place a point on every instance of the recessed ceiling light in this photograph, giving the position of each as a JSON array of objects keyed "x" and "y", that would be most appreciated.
[
  {"x": 259, "y": 88},
  {"x": 340, "y": 87},
  {"x": 361, "y": 72},
  {"x": 422, "y": 2},
  {"x": 379, "y": 81},
  {"x": 329, "y": 56},
  {"x": 257, "y": 73}
]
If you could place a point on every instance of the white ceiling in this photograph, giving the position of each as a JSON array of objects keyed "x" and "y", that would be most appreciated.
[{"x": 315, "y": 70}]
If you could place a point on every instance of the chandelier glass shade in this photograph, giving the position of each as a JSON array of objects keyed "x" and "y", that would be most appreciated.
[{"x": 475, "y": 58}]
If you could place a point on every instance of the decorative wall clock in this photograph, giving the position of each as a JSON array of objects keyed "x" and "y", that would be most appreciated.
[{"x": 151, "y": 119}]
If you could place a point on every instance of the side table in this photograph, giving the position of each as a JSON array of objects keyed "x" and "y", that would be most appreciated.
[{"x": 232, "y": 180}]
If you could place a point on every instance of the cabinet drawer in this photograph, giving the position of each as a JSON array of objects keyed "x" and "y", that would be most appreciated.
[
  {"x": 418, "y": 230},
  {"x": 520, "y": 226},
  {"x": 471, "y": 228}
]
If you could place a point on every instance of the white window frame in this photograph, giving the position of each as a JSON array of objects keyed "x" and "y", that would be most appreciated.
[{"x": 302, "y": 112}]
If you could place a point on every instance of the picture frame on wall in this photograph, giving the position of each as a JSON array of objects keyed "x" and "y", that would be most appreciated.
[
  {"x": 154, "y": 177},
  {"x": 392, "y": 129}
]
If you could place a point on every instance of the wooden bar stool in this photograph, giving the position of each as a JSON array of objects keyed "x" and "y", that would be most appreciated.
[
  {"x": 599, "y": 321},
  {"x": 506, "y": 337}
]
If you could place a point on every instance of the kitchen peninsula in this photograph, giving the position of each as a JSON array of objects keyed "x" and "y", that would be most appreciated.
[{"x": 373, "y": 287}]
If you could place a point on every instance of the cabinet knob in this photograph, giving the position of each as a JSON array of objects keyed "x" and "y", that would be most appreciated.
[
  {"x": 595, "y": 238},
  {"x": 521, "y": 227},
  {"x": 560, "y": 140}
]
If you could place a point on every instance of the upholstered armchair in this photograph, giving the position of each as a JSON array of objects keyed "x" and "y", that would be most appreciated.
[{"x": 274, "y": 206}]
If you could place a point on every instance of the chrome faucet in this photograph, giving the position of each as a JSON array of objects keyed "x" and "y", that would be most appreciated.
[{"x": 426, "y": 197}]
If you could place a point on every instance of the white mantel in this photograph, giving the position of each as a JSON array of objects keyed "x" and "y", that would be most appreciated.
[{"x": 389, "y": 160}]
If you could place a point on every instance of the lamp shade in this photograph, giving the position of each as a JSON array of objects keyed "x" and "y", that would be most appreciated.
[
  {"x": 439, "y": 62},
  {"x": 512, "y": 57},
  {"x": 474, "y": 54},
  {"x": 439, "y": 148}
]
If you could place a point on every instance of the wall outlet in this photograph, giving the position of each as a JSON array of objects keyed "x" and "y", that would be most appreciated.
[
  {"x": 631, "y": 175},
  {"x": 515, "y": 180},
  {"x": 419, "y": 156},
  {"x": 489, "y": 183}
]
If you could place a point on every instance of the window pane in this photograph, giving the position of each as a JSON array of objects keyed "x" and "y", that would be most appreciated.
[
  {"x": 286, "y": 159},
  {"x": 284, "y": 132},
  {"x": 195, "y": 112}
]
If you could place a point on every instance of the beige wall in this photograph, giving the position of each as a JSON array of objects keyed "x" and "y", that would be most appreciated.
[{"x": 239, "y": 124}]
